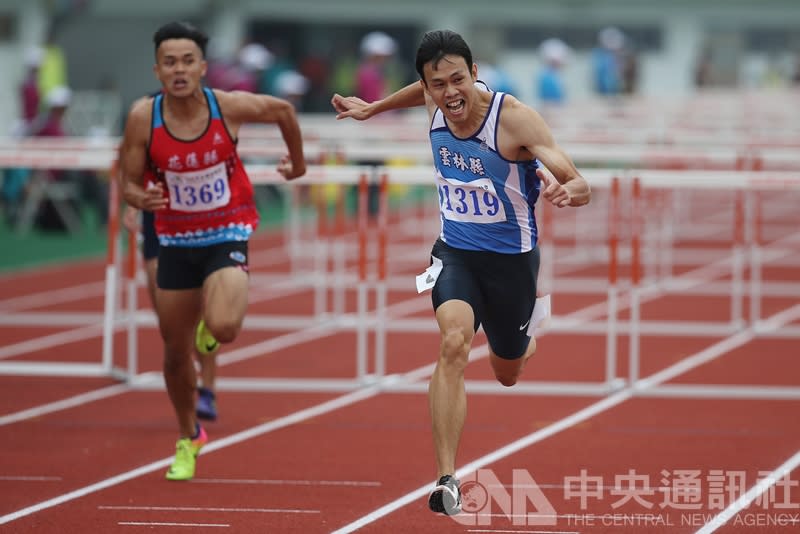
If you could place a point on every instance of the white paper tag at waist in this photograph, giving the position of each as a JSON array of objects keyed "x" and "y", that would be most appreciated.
[
  {"x": 540, "y": 315},
  {"x": 427, "y": 279}
]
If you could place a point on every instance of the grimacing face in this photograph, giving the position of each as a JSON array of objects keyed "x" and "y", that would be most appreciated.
[
  {"x": 180, "y": 66},
  {"x": 451, "y": 86}
]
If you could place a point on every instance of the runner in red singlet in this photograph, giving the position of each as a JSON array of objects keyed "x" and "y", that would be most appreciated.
[{"x": 204, "y": 208}]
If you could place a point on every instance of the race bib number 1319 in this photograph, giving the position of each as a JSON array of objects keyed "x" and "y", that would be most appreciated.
[
  {"x": 202, "y": 190},
  {"x": 474, "y": 201}
]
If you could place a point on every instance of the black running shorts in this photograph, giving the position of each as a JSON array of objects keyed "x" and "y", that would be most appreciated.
[
  {"x": 149, "y": 237},
  {"x": 501, "y": 288},
  {"x": 188, "y": 267}
]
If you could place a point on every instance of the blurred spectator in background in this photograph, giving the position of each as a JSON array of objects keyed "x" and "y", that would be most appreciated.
[
  {"x": 281, "y": 62},
  {"x": 372, "y": 83},
  {"x": 550, "y": 83},
  {"x": 796, "y": 74},
  {"x": 89, "y": 186},
  {"x": 51, "y": 124},
  {"x": 345, "y": 65},
  {"x": 495, "y": 78},
  {"x": 315, "y": 66},
  {"x": 606, "y": 61},
  {"x": 243, "y": 74},
  {"x": 50, "y": 207},
  {"x": 219, "y": 65},
  {"x": 629, "y": 65},
  {"x": 702, "y": 69},
  {"x": 292, "y": 86},
  {"x": 253, "y": 60},
  {"x": 30, "y": 96},
  {"x": 53, "y": 66},
  {"x": 14, "y": 179}
]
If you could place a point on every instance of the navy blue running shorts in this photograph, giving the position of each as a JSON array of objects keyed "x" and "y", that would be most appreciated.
[{"x": 501, "y": 288}]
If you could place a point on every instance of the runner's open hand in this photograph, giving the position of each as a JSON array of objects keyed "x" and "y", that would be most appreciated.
[{"x": 350, "y": 107}]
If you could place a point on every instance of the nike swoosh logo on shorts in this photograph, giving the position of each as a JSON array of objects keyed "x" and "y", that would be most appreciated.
[{"x": 523, "y": 327}]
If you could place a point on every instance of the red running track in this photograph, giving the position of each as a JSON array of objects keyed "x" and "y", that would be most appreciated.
[{"x": 362, "y": 460}]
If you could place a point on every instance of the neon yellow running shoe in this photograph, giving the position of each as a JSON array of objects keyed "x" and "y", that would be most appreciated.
[
  {"x": 186, "y": 451},
  {"x": 204, "y": 341}
]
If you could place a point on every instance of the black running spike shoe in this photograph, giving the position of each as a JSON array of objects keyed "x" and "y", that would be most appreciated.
[{"x": 446, "y": 496}]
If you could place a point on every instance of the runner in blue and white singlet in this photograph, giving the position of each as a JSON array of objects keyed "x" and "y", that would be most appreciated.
[
  {"x": 485, "y": 201},
  {"x": 485, "y": 263}
]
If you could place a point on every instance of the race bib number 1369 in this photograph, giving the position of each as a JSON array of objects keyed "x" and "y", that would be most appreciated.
[{"x": 201, "y": 190}]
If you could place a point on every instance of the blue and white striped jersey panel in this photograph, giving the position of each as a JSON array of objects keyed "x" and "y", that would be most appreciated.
[{"x": 485, "y": 201}]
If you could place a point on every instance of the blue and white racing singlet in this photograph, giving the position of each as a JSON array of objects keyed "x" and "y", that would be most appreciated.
[{"x": 485, "y": 201}]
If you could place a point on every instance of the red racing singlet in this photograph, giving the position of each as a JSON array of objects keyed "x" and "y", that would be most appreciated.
[{"x": 210, "y": 195}]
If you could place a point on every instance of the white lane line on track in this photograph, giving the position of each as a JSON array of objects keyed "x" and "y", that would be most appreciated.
[
  {"x": 240, "y": 354},
  {"x": 53, "y": 268},
  {"x": 275, "y": 344},
  {"x": 696, "y": 276},
  {"x": 23, "y": 478},
  {"x": 153, "y": 524},
  {"x": 260, "y": 258},
  {"x": 244, "y": 435},
  {"x": 209, "y": 509},
  {"x": 751, "y": 495},
  {"x": 526, "y": 531},
  {"x": 268, "y": 482},
  {"x": 277, "y": 290},
  {"x": 329, "y": 406},
  {"x": 704, "y": 356},
  {"x": 71, "y": 402},
  {"x": 294, "y": 418},
  {"x": 302, "y": 415},
  {"x": 515, "y": 446},
  {"x": 337, "y": 403},
  {"x": 780, "y": 319},
  {"x": 52, "y": 341},
  {"x": 55, "y": 296}
]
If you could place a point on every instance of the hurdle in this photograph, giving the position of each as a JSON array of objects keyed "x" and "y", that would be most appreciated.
[
  {"x": 749, "y": 189},
  {"x": 756, "y": 243}
]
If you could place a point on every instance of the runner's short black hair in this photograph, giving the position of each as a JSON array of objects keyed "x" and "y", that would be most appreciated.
[
  {"x": 181, "y": 30},
  {"x": 439, "y": 43}
]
